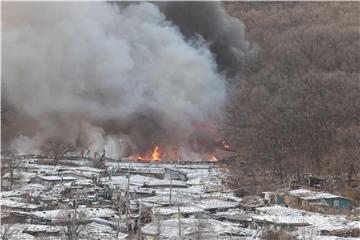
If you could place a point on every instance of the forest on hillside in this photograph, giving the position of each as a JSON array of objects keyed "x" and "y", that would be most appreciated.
[{"x": 295, "y": 107}]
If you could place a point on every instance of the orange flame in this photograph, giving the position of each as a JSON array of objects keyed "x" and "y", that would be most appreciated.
[
  {"x": 213, "y": 158},
  {"x": 226, "y": 146},
  {"x": 155, "y": 154}
]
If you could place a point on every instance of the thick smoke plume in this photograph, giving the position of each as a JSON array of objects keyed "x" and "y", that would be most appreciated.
[
  {"x": 225, "y": 34},
  {"x": 105, "y": 75}
]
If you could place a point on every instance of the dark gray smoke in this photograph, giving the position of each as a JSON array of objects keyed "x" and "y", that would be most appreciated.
[
  {"x": 123, "y": 77},
  {"x": 224, "y": 34}
]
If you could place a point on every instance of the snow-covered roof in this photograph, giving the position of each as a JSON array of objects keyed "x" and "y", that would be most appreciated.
[
  {"x": 32, "y": 228},
  {"x": 283, "y": 220},
  {"x": 174, "y": 210},
  {"x": 158, "y": 167},
  {"x": 89, "y": 169},
  {"x": 164, "y": 200},
  {"x": 90, "y": 213},
  {"x": 96, "y": 231},
  {"x": 334, "y": 238},
  {"x": 139, "y": 180},
  {"x": 172, "y": 169},
  {"x": 284, "y": 215},
  {"x": 193, "y": 191},
  {"x": 209, "y": 228},
  {"x": 141, "y": 170},
  {"x": 166, "y": 183},
  {"x": 11, "y": 203},
  {"x": 32, "y": 189},
  {"x": 311, "y": 195},
  {"x": 208, "y": 204},
  {"x": 82, "y": 182},
  {"x": 55, "y": 178},
  {"x": 55, "y": 192},
  {"x": 91, "y": 231}
]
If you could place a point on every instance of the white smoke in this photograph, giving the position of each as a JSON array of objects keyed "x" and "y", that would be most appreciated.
[
  {"x": 25, "y": 145},
  {"x": 70, "y": 64}
]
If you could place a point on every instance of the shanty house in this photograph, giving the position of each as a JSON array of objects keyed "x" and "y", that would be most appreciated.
[
  {"x": 237, "y": 216},
  {"x": 172, "y": 212},
  {"x": 215, "y": 205},
  {"x": 51, "y": 180},
  {"x": 305, "y": 198},
  {"x": 174, "y": 173},
  {"x": 15, "y": 204}
]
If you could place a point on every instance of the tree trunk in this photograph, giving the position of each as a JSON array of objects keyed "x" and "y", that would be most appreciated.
[{"x": 11, "y": 179}]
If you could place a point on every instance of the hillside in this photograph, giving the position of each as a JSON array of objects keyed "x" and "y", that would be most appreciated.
[{"x": 296, "y": 106}]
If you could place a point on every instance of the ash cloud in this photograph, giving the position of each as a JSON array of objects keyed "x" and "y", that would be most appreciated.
[{"x": 99, "y": 74}]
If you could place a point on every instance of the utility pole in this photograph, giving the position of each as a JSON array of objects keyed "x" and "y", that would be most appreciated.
[
  {"x": 139, "y": 220},
  {"x": 158, "y": 224},
  {"x": 119, "y": 202},
  {"x": 179, "y": 223},
  {"x": 73, "y": 227},
  {"x": 170, "y": 189},
  {"x": 128, "y": 202},
  {"x": 140, "y": 207},
  {"x": 128, "y": 183}
]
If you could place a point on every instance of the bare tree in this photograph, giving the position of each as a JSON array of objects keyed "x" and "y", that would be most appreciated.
[
  {"x": 7, "y": 110},
  {"x": 119, "y": 203},
  {"x": 100, "y": 162},
  {"x": 296, "y": 94},
  {"x": 56, "y": 147},
  {"x": 158, "y": 223},
  {"x": 199, "y": 228},
  {"x": 347, "y": 152},
  {"x": 278, "y": 235},
  {"x": 7, "y": 228},
  {"x": 73, "y": 222},
  {"x": 11, "y": 166},
  {"x": 179, "y": 223},
  {"x": 7, "y": 231}
]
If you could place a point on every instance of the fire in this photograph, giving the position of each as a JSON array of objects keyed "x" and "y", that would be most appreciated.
[
  {"x": 213, "y": 158},
  {"x": 155, "y": 154},
  {"x": 226, "y": 146}
]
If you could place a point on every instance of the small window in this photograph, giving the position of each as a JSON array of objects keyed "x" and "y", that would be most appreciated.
[{"x": 336, "y": 202}]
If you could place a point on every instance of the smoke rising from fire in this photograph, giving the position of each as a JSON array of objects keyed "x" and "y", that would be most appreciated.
[
  {"x": 225, "y": 34},
  {"x": 98, "y": 74}
]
